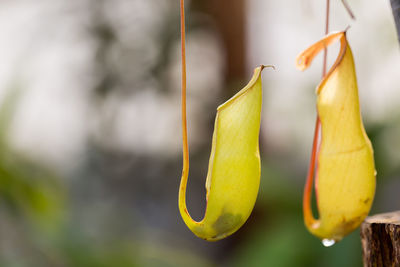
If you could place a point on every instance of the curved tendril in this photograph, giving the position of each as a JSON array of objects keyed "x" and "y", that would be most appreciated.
[
  {"x": 185, "y": 168},
  {"x": 307, "y": 212}
]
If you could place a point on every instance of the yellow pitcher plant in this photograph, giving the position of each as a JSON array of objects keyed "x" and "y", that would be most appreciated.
[
  {"x": 234, "y": 168},
  {"x": 343, "y": 157}
]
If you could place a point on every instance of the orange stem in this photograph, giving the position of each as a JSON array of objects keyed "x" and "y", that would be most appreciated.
[
  {"x": 307, "y": 211},
  {"x": 185, "y": 146},
  {"x": 184, "y": 120}
]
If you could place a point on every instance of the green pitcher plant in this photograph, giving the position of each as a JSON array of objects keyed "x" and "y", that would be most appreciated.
[
  {"x": 233, "y": 177},
  {"x": 342, "y": 155}
]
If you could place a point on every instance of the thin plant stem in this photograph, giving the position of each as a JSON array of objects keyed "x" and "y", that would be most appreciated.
[
  {"x": 307, "y": 211},
  {"x": 396, "y": 15},
  {"x": 185, "y": 146},
  {"x": 312, "y": 168},
  {"x": 348, "y": 9},
  {"x": 184, "y": 120},
  {"x": 326, "y": 32}
]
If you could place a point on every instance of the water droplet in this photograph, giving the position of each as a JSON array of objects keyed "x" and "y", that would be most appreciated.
[{"x": 328, "y": 242}]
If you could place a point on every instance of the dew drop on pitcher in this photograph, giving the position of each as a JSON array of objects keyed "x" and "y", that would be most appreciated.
[{"x": 328, "y": 242}]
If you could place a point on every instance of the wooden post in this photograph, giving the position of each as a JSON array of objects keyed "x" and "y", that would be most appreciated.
[{"x": 380, "y": 238}]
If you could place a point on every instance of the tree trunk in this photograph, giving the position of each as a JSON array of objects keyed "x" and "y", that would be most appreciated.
[
  {"x": 380, "y": 238},
  {"x": 230, "y": 19}
]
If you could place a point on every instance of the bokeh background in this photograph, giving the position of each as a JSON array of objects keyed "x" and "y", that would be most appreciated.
[{"x": 90, "y": 158}]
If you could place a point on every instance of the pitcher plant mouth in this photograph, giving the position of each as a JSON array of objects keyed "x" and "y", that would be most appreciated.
[
  {"x": 233, "y": 176},
  {"x": 342, "y": 156}
]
